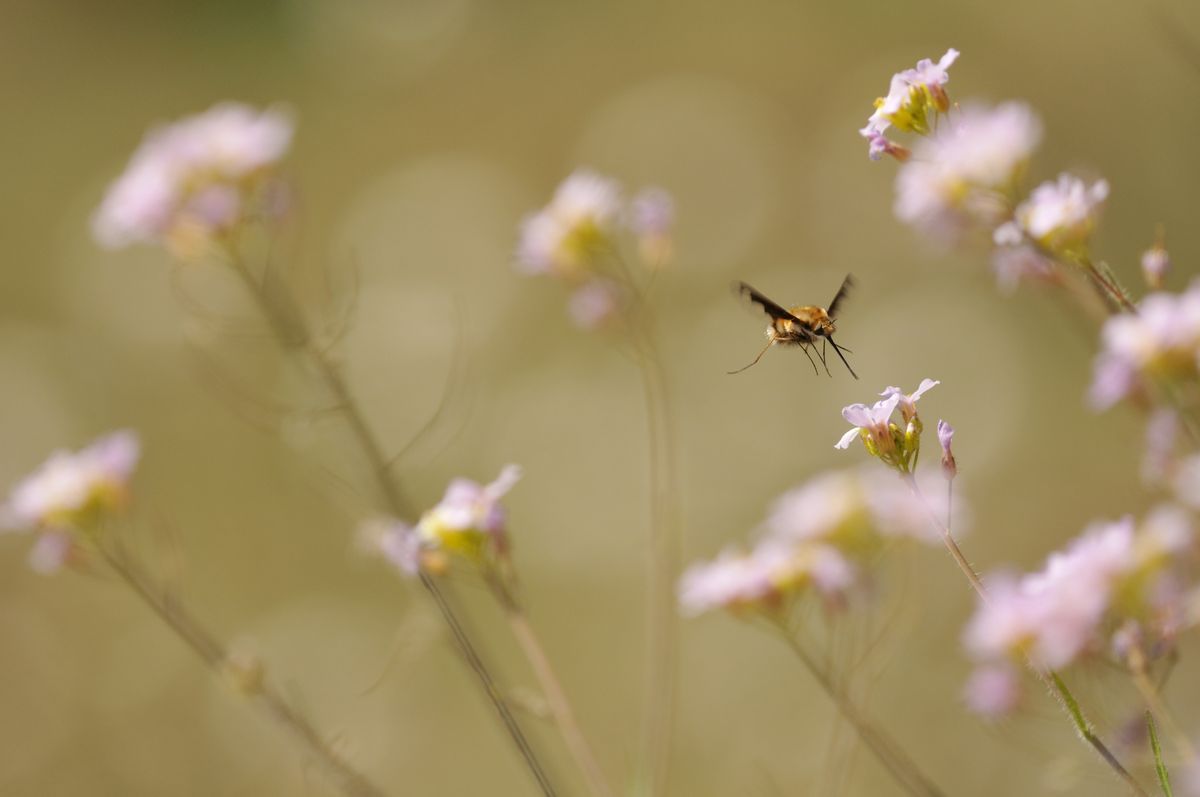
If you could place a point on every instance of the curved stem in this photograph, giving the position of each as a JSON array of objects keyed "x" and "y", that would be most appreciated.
[
  {"x": 205, "y": 645},
  {"x": 556, "y": 697},
  {"x": 893, "y": 758},
  {"x": 1154, "y": 703},
  {"x": 287, "y": 323},
  {"x": 1051, "y": 679}
]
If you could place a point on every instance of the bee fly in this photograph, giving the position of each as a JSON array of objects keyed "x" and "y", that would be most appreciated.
[{"x": 800, "y": 326}]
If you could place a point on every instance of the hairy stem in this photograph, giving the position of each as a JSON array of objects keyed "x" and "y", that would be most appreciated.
[
  {"x": 893, "y": 758},
  {"x": 1051, "y": 679},
  {"x": 287, "y": 323},
  {"x": 205, "y": 645},
  {"x": 1160, "y": 767}
]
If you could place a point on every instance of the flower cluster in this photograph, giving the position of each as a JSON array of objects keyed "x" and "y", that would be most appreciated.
[
  {"x": 70, "y": 494},
  {"x": 1160, "y": 341},
  {"x": 469, "y": 522},
  {"x": 915, "y": 98},
  {"x": 194, "y": 179},
  {"x": 819, "y": 536},
  {"x": 896, "y": 445},
  {"x": 965, "y": 174},
  {"x": 1118, "y": 585},
  {"x": 576, "y": 238}
]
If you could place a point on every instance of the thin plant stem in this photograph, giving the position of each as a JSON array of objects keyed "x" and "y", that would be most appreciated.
[
  {"x": 1051, "y": 679},
  {"x": 206, "y": 646},
  {"x": 556, "y": 697},
  {"x": 1160, "y": 767},
  {"x": 1154, "y": 703},
  {"x": 663, "y": 627},
  {"x": 286, "y": 321},
  {"x": 902, "y": 768}
]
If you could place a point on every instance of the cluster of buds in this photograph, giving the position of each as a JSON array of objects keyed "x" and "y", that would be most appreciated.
[
  {"x": 66, "y": 500},
  {"x": 195, "y": 180},
  {"x": 1121, "y": 589},
  {"x": 577, "y": 239},
  {"x": 469, "y": 523},
  {"x": 897, "y": 445},
  {"x": 819, "y": 537}
]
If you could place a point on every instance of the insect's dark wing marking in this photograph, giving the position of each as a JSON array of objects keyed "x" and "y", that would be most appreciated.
[
  {"x": 768, "y": 306},
  {"x": 847, "y": 284}
]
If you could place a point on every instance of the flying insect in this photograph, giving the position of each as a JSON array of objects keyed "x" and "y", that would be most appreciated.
[{"x": 801, "y": 325}]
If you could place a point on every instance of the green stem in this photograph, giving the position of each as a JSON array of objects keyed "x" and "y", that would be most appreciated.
[
  {"x": 1160, "y": 767},
  {"x": 893, "y": 758},
  {"x": 287, "y": 323},
  {"x": 205, "y": 645}
]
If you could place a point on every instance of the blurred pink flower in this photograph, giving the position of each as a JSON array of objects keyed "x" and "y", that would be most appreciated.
[
  {"x": 70, "y": 485},
  {"x": 1156, "y": 263},
  {"x": 733, "y": 580},
  {"x": 593, "y": 304},
  {"x": 1161, "y": 339},
  {"x": 652, "y": 219},
  {"x": 1061, "y": 214},
  {"x": 993, "y": 691},
  {"x": 1014, "y": 260},
  {"x": 958, "y": 176},
  {"x": 563, "y": 237},
  {"x": 193, "y": 174},
  {"x": 470, "y": 517},
  {"x": 69, "y": 492}
]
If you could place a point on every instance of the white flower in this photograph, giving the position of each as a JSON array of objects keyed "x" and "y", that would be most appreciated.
[
  {"x": 913, "y": 96},
  {"x": 1062, "y": 214},
  {"x": 959, "y": 175},
  {"x": 70, "y": 484},
  {"x": 193, "y": 175},
  {"x": 564, "y": 236}
]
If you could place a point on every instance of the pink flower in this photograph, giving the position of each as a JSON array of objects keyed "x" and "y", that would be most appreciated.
[
  {"x": 873, "y": 421},
  {"x": 945, "y": 434},
  {"x": 957, "y": 177},
  {"x": 69, "y": 485},
  {"x": 564, "y": 237},
  {"x": 69, "y": 492},
  {"x": 593, "y": 304},
  {"x": 734, "y": 580},
  {"x": 1062, "y": 214},
  {"x": 1161, "y": 339},
  {"x": 1155, "y": 266},
  {"x": 913, "y": 95},
  {"x": 993, "y": 692},
  {"x": 193, "y": 175},
  {"x": 652, "y": 218},
  {"x": 908, "y": 402},
  {"x": 469, "y": 518}
]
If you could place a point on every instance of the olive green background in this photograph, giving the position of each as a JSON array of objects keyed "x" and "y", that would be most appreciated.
[{"x": 426, "y": 129}]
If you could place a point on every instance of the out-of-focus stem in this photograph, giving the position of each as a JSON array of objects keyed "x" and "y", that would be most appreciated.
[
  {"x": 1154, "y": 703},
  {"x": 1051, "y": 679},
  {"x": 556, "y": 697},
  {"x": 663, "y": 626},
  {"x": 205, "y": 645},
  {"x": 893, "y": 758},
  {"x": 287, "y": 322}
]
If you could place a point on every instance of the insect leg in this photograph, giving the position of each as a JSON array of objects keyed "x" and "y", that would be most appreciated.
[
  {"x": 838, "y": 349},
  {"x": 770, "y": 343},
  {"x": 822, "y": 356},
  {"x": 804, "y": 348}
]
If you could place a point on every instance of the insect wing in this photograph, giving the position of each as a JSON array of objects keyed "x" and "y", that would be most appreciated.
[{"x": 847, "y": 284}]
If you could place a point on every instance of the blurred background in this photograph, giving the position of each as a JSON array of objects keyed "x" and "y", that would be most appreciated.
[{"x": 426, "y": 130}]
